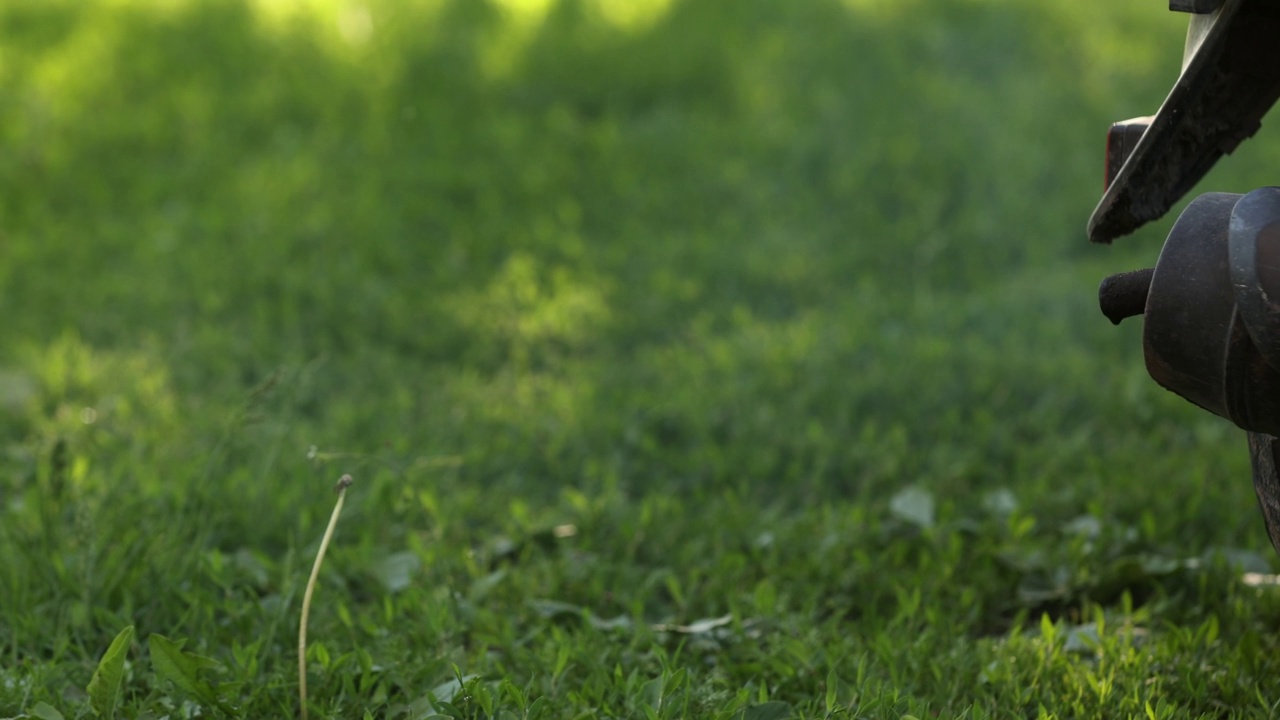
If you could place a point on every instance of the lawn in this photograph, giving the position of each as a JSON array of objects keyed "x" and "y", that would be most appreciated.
[{"x": 692, "y": 358}]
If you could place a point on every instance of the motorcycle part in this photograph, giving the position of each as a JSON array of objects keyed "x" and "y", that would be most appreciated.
[
  {"x": 1212, "y": 322},
  {"x": 1228, "y": 82},
  {"x": 1211, "y": 333},
  {"x": 1125, "y": 295},
  {"x": 1266, "y": 482}
]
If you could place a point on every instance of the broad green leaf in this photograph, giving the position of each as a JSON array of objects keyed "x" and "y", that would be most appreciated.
[
  {"x": 45, "y": 711},
  {"x": 556, "y": 610},
  {"x": 766, "y": 596},
  {"x": 913, "y": 505},
  {"x": 619, "y": 622},
  {"x": 1083, "y": 639},
  {"x": 448, "y": 689},
  {"x": 1085, "y": 526},
  {"x": 1000, "y": 502},
  {"x": 705, "y": 625},
  {"x": 833, "y": 685},
  {"x": 651, "y": 693},
  {"x": 438, "y": 699},
  {"x": 481, "y": 588},
  {"x": 396, "y": 571},
  {"x": 774, "y": 710},
  {"x": 104, "y": 687},
  {"x": 540, "y": 707},
  {"x": 183, "y": 669}
]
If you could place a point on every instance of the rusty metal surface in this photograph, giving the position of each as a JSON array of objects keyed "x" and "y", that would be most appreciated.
[
  {"x": 1217, "y": 102},
  {"x": 1122, "y": 140}
]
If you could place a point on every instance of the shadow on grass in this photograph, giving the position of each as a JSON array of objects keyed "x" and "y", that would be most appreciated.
[
  {"x": 212, "y": 162},
  {"x": 817, "y": 244}
]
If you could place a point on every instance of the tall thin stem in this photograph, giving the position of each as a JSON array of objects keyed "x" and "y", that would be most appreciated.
[{"x": 343, "y": 483}]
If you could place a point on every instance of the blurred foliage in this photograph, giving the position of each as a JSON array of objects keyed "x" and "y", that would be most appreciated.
[{"x": 830, "y": 246}]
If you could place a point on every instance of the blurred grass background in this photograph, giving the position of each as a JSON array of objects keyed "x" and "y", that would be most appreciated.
[
  {"x": 499, "y": 257},
  {"x": 818, "y": 246}
]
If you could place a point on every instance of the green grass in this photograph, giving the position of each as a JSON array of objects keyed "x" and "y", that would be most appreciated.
[{"x": 708, "y": 358}]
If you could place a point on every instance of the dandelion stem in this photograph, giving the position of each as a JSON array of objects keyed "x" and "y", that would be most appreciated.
[{"x": 343, "y": 483}]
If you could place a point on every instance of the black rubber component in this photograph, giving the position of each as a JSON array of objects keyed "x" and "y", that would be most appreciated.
[{"x": 1125, "y": 295}]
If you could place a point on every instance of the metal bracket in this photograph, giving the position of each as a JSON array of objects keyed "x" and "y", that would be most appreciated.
[
  {"x": 1231, "y": 81},
  {"x": 1199, "y": 7}
]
